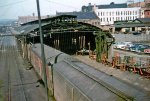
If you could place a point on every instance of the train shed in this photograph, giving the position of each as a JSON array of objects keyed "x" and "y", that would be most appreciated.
[{"x": 66, "y": 34}]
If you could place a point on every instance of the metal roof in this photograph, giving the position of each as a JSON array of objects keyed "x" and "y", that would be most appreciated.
[
  {"x": 143, "y": 20},
  {"x": 59, "y": 25},
  {"x": 28, "y": 28},
  {"x": 80, "y": 15},
  {"x": 50, "y": 53},
  {"x": 46, "y": 20},
  {"x": 130, "y": 25}
]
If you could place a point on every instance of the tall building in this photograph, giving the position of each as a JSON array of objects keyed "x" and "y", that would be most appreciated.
[
  {"x": 115, "y": 12},
  {"x": 109, "y": 15}
]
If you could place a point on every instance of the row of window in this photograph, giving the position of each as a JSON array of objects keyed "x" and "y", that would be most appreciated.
[
  {"x": 118, "y": 13},
  {"x": 117, "y": 18}
]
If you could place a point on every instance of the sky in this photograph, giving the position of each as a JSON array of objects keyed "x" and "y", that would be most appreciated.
[{"x": 11, "y": 9}]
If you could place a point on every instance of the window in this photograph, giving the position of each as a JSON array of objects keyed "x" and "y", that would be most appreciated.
[
  {"x": 121, "y": 12},
  {"x": 135, "y": 12},
  {"x": 118, "y": 13},
  {"x": 112, "y": 13}
]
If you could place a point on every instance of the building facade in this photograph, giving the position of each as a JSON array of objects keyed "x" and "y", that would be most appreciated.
[
  {"x": 145, "y": 8},
  {"x": 147, "y": 13},
  {"x": 137, "y": 4},
  {"x": 109, "y": 15}
]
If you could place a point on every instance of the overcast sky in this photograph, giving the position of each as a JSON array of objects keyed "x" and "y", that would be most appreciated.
[{"x": 11, "y": 9}]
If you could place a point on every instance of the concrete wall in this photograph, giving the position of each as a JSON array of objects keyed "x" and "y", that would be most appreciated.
[{"x": 132, "y": 38}]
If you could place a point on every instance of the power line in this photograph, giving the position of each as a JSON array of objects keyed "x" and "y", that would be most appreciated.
[
  {"x": 61, "y": 4},
  {"x": 13, "y": 3}
]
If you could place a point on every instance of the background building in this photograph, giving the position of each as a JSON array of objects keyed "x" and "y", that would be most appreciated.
[
  {"x": 111, "y": 5},
  {"x": 109, "y": 15},
  {"x": 86, "y": 17},
  {"x": 25, "y": 19},
  {"x": 145, "y": 8}
]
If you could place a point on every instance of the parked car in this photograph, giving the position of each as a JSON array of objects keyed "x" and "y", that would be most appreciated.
[
  {"x": 147, "y": 51},
  {"x": 141, "y": 48},
  {"x": 128, "y": 45},
  {"x": 123, "y": 45},
  {"x": 133, "y": 48},
  {"x": 136, "y": 33}
]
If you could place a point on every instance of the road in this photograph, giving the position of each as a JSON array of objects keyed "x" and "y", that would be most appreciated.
[{"x": 17, "y": 83}]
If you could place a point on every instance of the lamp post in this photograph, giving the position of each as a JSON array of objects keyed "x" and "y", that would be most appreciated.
[{"x": 42, "y": 49}]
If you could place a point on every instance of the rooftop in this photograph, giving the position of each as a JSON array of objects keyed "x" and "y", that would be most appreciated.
[
  {"x": 105, "y": 6},
  {"x": 143, "y": 20},
  {"x": 80, "y": 15},
  {"x": 112, "y": 5}
]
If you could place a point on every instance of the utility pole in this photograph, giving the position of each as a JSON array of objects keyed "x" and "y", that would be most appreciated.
[{"x": 42, "y": 49}]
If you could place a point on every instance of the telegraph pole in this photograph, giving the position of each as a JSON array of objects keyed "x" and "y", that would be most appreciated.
[{"x": 42, "y": 49}]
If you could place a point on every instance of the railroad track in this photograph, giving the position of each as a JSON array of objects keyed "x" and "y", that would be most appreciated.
[
  {"x": 111, "y": 89},
  {"x": 112, "y": 84},
  {"x": 23, "y": 96},
  {"x": 20, "y": 75},
  {"x": 16, "y": 83},
  {"x": 13, "y": 74}
]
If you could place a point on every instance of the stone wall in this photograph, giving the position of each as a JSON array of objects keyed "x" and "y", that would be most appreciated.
[{"x": 132, "y": 38}]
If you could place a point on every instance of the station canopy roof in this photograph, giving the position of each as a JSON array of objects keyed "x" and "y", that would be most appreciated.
[
  {"x": 58, "y": 24},
  {"x": 80, "y": 15},
  {"x": 139, "y": 22}
]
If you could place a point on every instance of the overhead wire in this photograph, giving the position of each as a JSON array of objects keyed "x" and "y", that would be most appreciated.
[
  {"x": 8, "y": 7},
  {"x": 13, "y": 3},
  {"x": 5, "y": 11},
  {"x": 69, "y": 6}
]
